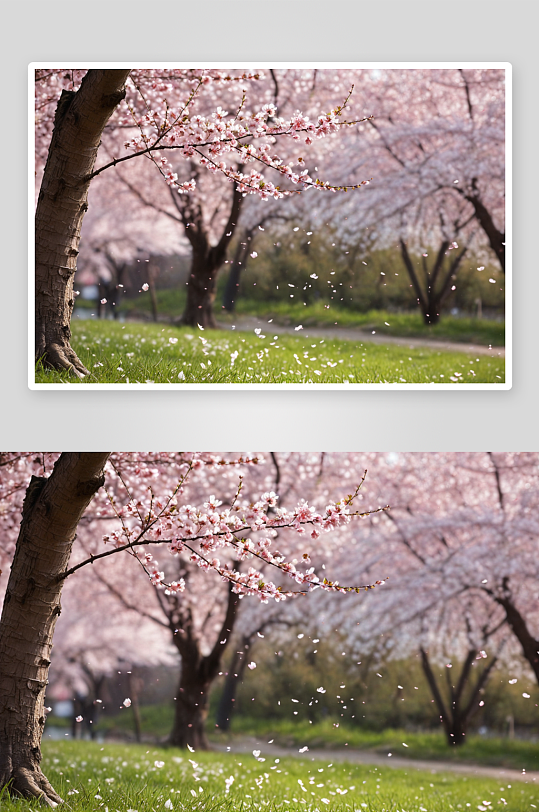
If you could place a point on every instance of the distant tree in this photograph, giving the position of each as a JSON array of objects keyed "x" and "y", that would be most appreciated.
[
  {"x": 461, "y": 538},
  {"x": 435, "y": 148},
  {"x": 440, "y": 132}
]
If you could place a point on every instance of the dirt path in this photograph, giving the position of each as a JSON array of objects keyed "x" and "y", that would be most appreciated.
[
  {"x": 248, "y": 744},
  {"x": 355, "y": 334}
]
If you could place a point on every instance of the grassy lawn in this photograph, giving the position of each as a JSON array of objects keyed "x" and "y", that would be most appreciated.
[
  {"x": 170, "y": 305},
  {"x": 151, "y": 353},
  {"x": 496, "y": 752},
  {"x": 120, "y": 778},
  {"x": 409, "y": 325}
]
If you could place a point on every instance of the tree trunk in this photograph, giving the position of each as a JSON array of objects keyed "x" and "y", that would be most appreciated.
[
  {"x": 431, "y": 299},
  {"x": 201, "y": 292},
  {"x": 191, "y": 710},
  {"x": 133, "y": 683},
  {"x": 456, "y": 716},
  {"x": 496, "y": 238},
  {"x": 207, "y": 259},
  {"x": 79, "y": 123},
  {"x": 234, "y": 677},
  {"x": 111, "y": 289},
  {"x": 530, "y": 645},
  {"x": 51, "y": 512},
  {"x": 153, "y": 297},
  {"x": 456, "y": 735},
  {"x": 197, "y": 674},
  {"x": 237, "y": 266},
  {"x": 85, "y": 705}
]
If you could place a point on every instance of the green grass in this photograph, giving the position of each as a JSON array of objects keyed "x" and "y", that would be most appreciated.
[
  {"x": 496, "y": 752},
  {"x": 144, "y": 779},
  {"x": 151, "y": 353},
  {"x": 409, "y": 325},
  {"x": 170, "y": 305}
]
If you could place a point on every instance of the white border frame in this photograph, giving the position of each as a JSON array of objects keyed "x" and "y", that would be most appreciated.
[{"x": 178, "y": 387}]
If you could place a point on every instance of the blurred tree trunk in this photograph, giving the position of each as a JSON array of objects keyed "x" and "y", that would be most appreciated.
[
  {"x": 207, "y": 259},
  {"x": 151, "y": 285},
  {"x": 198, "y": 673},
  {"x": 455, "y": 715},
  {"x": 519, "y": 627},
  {"x": 134, "y": 686},
  {"x": 201, "y": 289},
  {"x": 234, "y": 678},
  {"x": 237, "y": 266},
  {"x": 191, "y": 709},
  {"x": 51, "y": 512},
  {"x": 496, "y": 238},
  {"x": 111, "y": 289},
  {"x": 437, "y": 286},
  {"x": 85, "y": 706}
]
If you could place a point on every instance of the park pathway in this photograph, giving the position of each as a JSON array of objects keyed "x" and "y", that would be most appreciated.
[
  {"x": 248, "y": 744},
  {"x": 355, "y": 334}
]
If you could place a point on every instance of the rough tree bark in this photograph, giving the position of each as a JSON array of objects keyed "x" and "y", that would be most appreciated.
[
  {"x": 51, "y": 512},
  {"x": 197, "y": 675},
  {"x": 80, "y": 119},
  {"x": 457, "y": 714}
]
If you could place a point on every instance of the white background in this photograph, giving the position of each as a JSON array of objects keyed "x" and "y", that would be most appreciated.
[{"x": 271, "y": 30}]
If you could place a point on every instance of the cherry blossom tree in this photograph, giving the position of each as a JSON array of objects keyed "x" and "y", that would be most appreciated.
[
  {"x": 160, "y": 112},
  {"x": 461, "y": 537},
  {"x": 513, "y": 591},
  {"x": 434, "y": 145},
  {"x": 201, "y": 621},
  {"x": 52, "y": 510},
  {"x": 210, "y": 212},
  {"x": 441, "y": 131}
]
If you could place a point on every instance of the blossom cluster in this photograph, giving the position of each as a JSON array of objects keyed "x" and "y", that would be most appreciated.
[
  {"x": 245, "y": 529},
  {"x": 180, "y": 111},
  {"x": 213, "y": 137}
]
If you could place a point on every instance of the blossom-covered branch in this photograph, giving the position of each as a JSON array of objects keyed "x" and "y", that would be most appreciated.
[{"x": 181, "y": 527}]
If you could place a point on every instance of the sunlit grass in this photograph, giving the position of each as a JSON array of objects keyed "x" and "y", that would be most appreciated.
[
  {"x": 151, "y": 353},
  {"x": 139, "y": 778}
]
